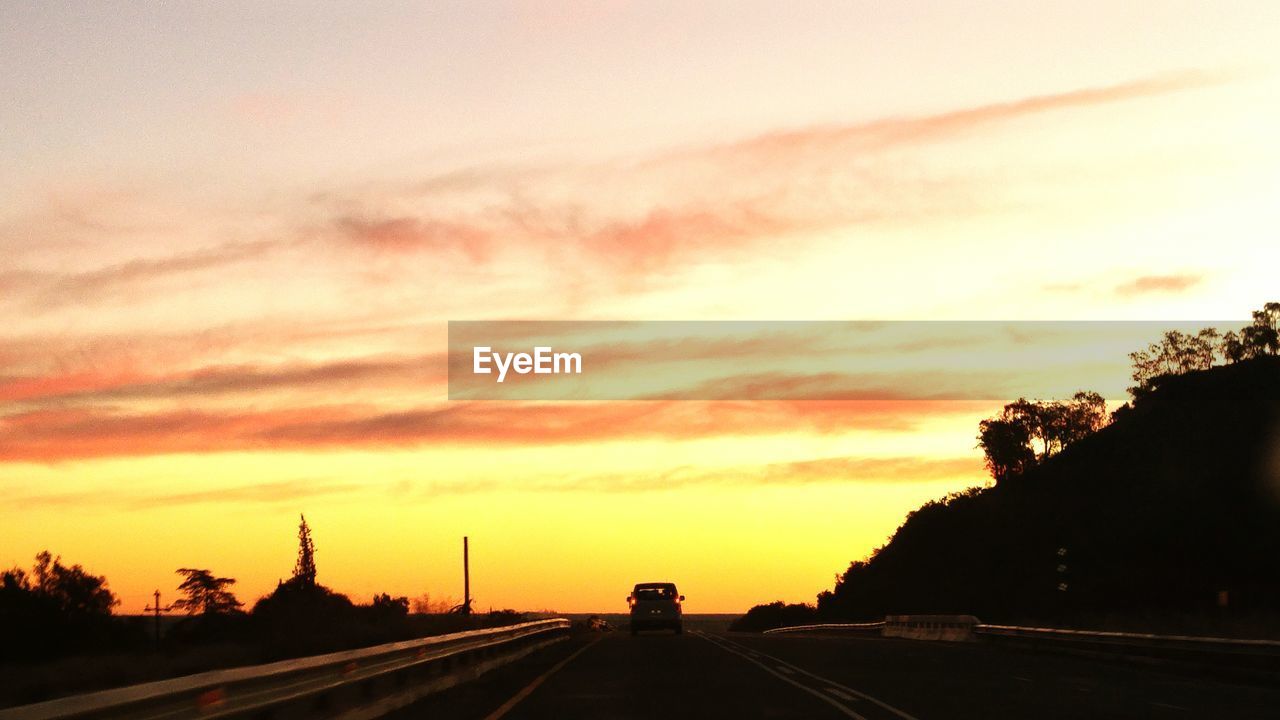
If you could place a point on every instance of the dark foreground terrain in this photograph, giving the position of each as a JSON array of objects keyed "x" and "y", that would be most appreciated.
[{"x": 707, "y": 674}]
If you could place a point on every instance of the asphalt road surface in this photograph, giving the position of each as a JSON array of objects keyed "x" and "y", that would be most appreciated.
[{"x": 717, "y": 675}]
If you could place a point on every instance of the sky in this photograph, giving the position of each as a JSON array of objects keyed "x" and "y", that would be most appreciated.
[{"x": 232, "y": 236}]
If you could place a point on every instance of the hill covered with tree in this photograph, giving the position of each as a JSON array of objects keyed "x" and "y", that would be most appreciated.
[{"x": 1167, "y": 516}]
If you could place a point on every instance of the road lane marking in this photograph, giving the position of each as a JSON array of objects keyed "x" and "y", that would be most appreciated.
[
  {"x": 828, "y": 700},
  {"x": 815, "y": 676},
  {"x": 841, "y": 694},
  {"x": 786, "y": 670},
  {"x": 528, "y": 689}
]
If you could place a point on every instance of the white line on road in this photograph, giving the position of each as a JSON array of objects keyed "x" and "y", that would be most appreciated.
[
  {"x": 833, "y": 683},
  {"x": 841, "y": 694},
  {"x": 830, "y": 701}
]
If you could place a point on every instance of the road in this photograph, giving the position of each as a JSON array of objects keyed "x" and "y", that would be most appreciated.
[{"x": 713, "y": 675}]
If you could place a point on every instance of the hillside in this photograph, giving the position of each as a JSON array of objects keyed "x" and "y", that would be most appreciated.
[{"x": 1174, "y": 502}]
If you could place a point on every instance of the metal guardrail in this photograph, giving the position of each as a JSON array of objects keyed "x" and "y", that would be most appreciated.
[
  {"x": 1236, "y": 654},
  {"x": 832, "y": 627},
  {"x": 1181, "y": 645},
  {"x": 350, "y": 684}
]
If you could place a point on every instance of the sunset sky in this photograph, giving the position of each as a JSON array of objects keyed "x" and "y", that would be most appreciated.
[{"x": 232, "y": 235}]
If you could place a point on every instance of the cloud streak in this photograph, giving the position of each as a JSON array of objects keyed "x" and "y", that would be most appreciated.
[
  {"x": 55, "y": 435},
  {"x": 833, "y": 470},
  {"x": 620, "y": 223},
  {"x": 1151, "y": 284},
  {"x": 267, "y": 493},
  {"x": 891, "y": 132},
  {"x": 421, "y": 371},
  {"x": 707, "y": 203},
  {"x": 50, "y": 290}
]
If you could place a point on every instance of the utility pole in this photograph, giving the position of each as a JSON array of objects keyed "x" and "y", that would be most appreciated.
[
  {"x": 157, "y": 609},
  {"x": 466, "y": 576}
]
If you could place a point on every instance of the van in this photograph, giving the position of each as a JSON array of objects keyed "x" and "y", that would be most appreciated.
[{"x": 655, "y": 606}]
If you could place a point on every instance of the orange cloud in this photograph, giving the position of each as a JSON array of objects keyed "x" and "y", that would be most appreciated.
[
  {"x": 408, "y": 234},
  {"x": 1159, "y": 284},
  {"x": 848, "y": 469},
  {"x": 88, "y": 387},
  {"x": 284, "y": 491},
  {"x": 48, "y": 290},
  {"x": 772, "y": 148},
  {"x": 802, "y": 472},
  {"x": 668, "y": 217},
  {"x": 53, "y": 435},
  {"x": 665, "y": 216}
]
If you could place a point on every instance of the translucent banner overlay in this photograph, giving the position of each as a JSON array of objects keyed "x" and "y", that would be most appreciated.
[{"x": 797, "y": 360}]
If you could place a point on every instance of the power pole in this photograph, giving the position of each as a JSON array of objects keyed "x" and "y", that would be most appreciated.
[
  {"x": 157, "y": 609},
  {"x": 466, "y": 576}
]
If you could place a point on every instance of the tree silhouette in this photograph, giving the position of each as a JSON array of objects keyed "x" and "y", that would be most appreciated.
[
  {"x": 1263, "y": 336},
  {"x": 205, "y": 594},
  {"x": 385, "y": 606},
  {"x": 304, "y": 571},
  {"x": 1232, "y": 349},
  {"x": 1010, "y": 439},
  {"x": 71, "y": 590},
  {"x": 53, "y": 609},
  {"x": 1006, "y": 444},
  {"x": 1175, "y": 354},
  {"x": 1180, "y": 353}
]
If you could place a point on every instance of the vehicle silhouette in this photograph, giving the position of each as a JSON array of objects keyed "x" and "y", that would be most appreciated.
[{"x": 656, "y": 606}]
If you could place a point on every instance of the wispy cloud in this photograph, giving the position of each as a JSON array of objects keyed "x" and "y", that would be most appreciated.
[
  {"x": 421, "y": 371},
  {"x": 848, "y": 469},
  {"x": 829, "y": 470},
  {"x": 50, "y": 290},
  {"x": 54, "y": 435},
  {"x": 832, "y": 470},
  {"x": 410, "y": 234},
  {"x": 1148, "y": 284},
  {"x": 889, "y": 132},
  {"x": 638, "y": 218},
  {"x": 611, "y": 224},
  {"x": 266, "y": 493}
]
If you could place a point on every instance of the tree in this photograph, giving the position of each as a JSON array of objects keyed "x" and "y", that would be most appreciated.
[
  {"x": 424, "y": 604},
  {"x": 205, "y": 594},
  {"x": 1084, "y": 414},
  {"x": 54, "y": 609},
  {"x": 1269, "y": 315},
  {"x": 1231, "y": 348},
  {"x": 1007, "y": 446},
  {"x": 1176, "y": 353},
  {"x": 385, "y": 606},
  {"x": 1010, "y": 439},
  {"x": 71, "y": 590},
  {"x": 304, "y": 571},
  {"x": 1263, "y": 336},
  {"x": 1204, "y": 348}
]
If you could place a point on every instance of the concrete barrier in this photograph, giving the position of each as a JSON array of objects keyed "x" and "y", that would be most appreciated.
[{"x": 950, "y": 628}]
